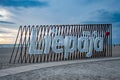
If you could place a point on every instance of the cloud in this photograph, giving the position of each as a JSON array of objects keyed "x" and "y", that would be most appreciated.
[
  {"x": 1, "y": 31},
  {"x": 29, "y": 12},
  {"x": 7, "y": 22},
  {"x": 108, "y": 16},
  {"x": 104, "y": 16},
  {"x": 23, "y": 3},
  {"x": 4, "y": 32},
  {"x": 7, "y": 35},
  {"x": 95, "y": 22},
  {"x": 1, "y": 15},
  {"x": 88, "y": 2}
]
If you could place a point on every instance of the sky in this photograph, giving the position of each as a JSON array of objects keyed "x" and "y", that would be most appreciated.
[{"x": 14, "y": 13}]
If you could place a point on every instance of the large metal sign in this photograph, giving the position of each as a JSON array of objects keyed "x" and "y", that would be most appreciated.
[{"x": 46, "y": 43}]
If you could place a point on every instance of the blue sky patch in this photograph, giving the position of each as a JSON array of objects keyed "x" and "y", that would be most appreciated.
[
  {"x": 23, "y": 3},
  {"x": 39, "y": 12}
]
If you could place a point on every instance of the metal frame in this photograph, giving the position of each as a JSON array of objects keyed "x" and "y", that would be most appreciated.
[{"x": 22, "y": 42}]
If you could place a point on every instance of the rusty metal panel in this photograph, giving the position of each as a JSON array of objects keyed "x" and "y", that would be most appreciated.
[{"x": 92, "y": 32}]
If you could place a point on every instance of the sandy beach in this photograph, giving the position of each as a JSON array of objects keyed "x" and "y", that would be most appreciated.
[
  {"x": 59, "y": 40},
  {"x": 101, "y": 70},
  {"x": 5, "y": 54},
  {"x": 83, "y": 71}
]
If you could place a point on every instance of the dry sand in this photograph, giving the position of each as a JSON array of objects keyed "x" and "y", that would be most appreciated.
[
  {"x": 107, "y": 70},
  {"x": 116, "y": 51},
  {"x": 5, "y": 54}
]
